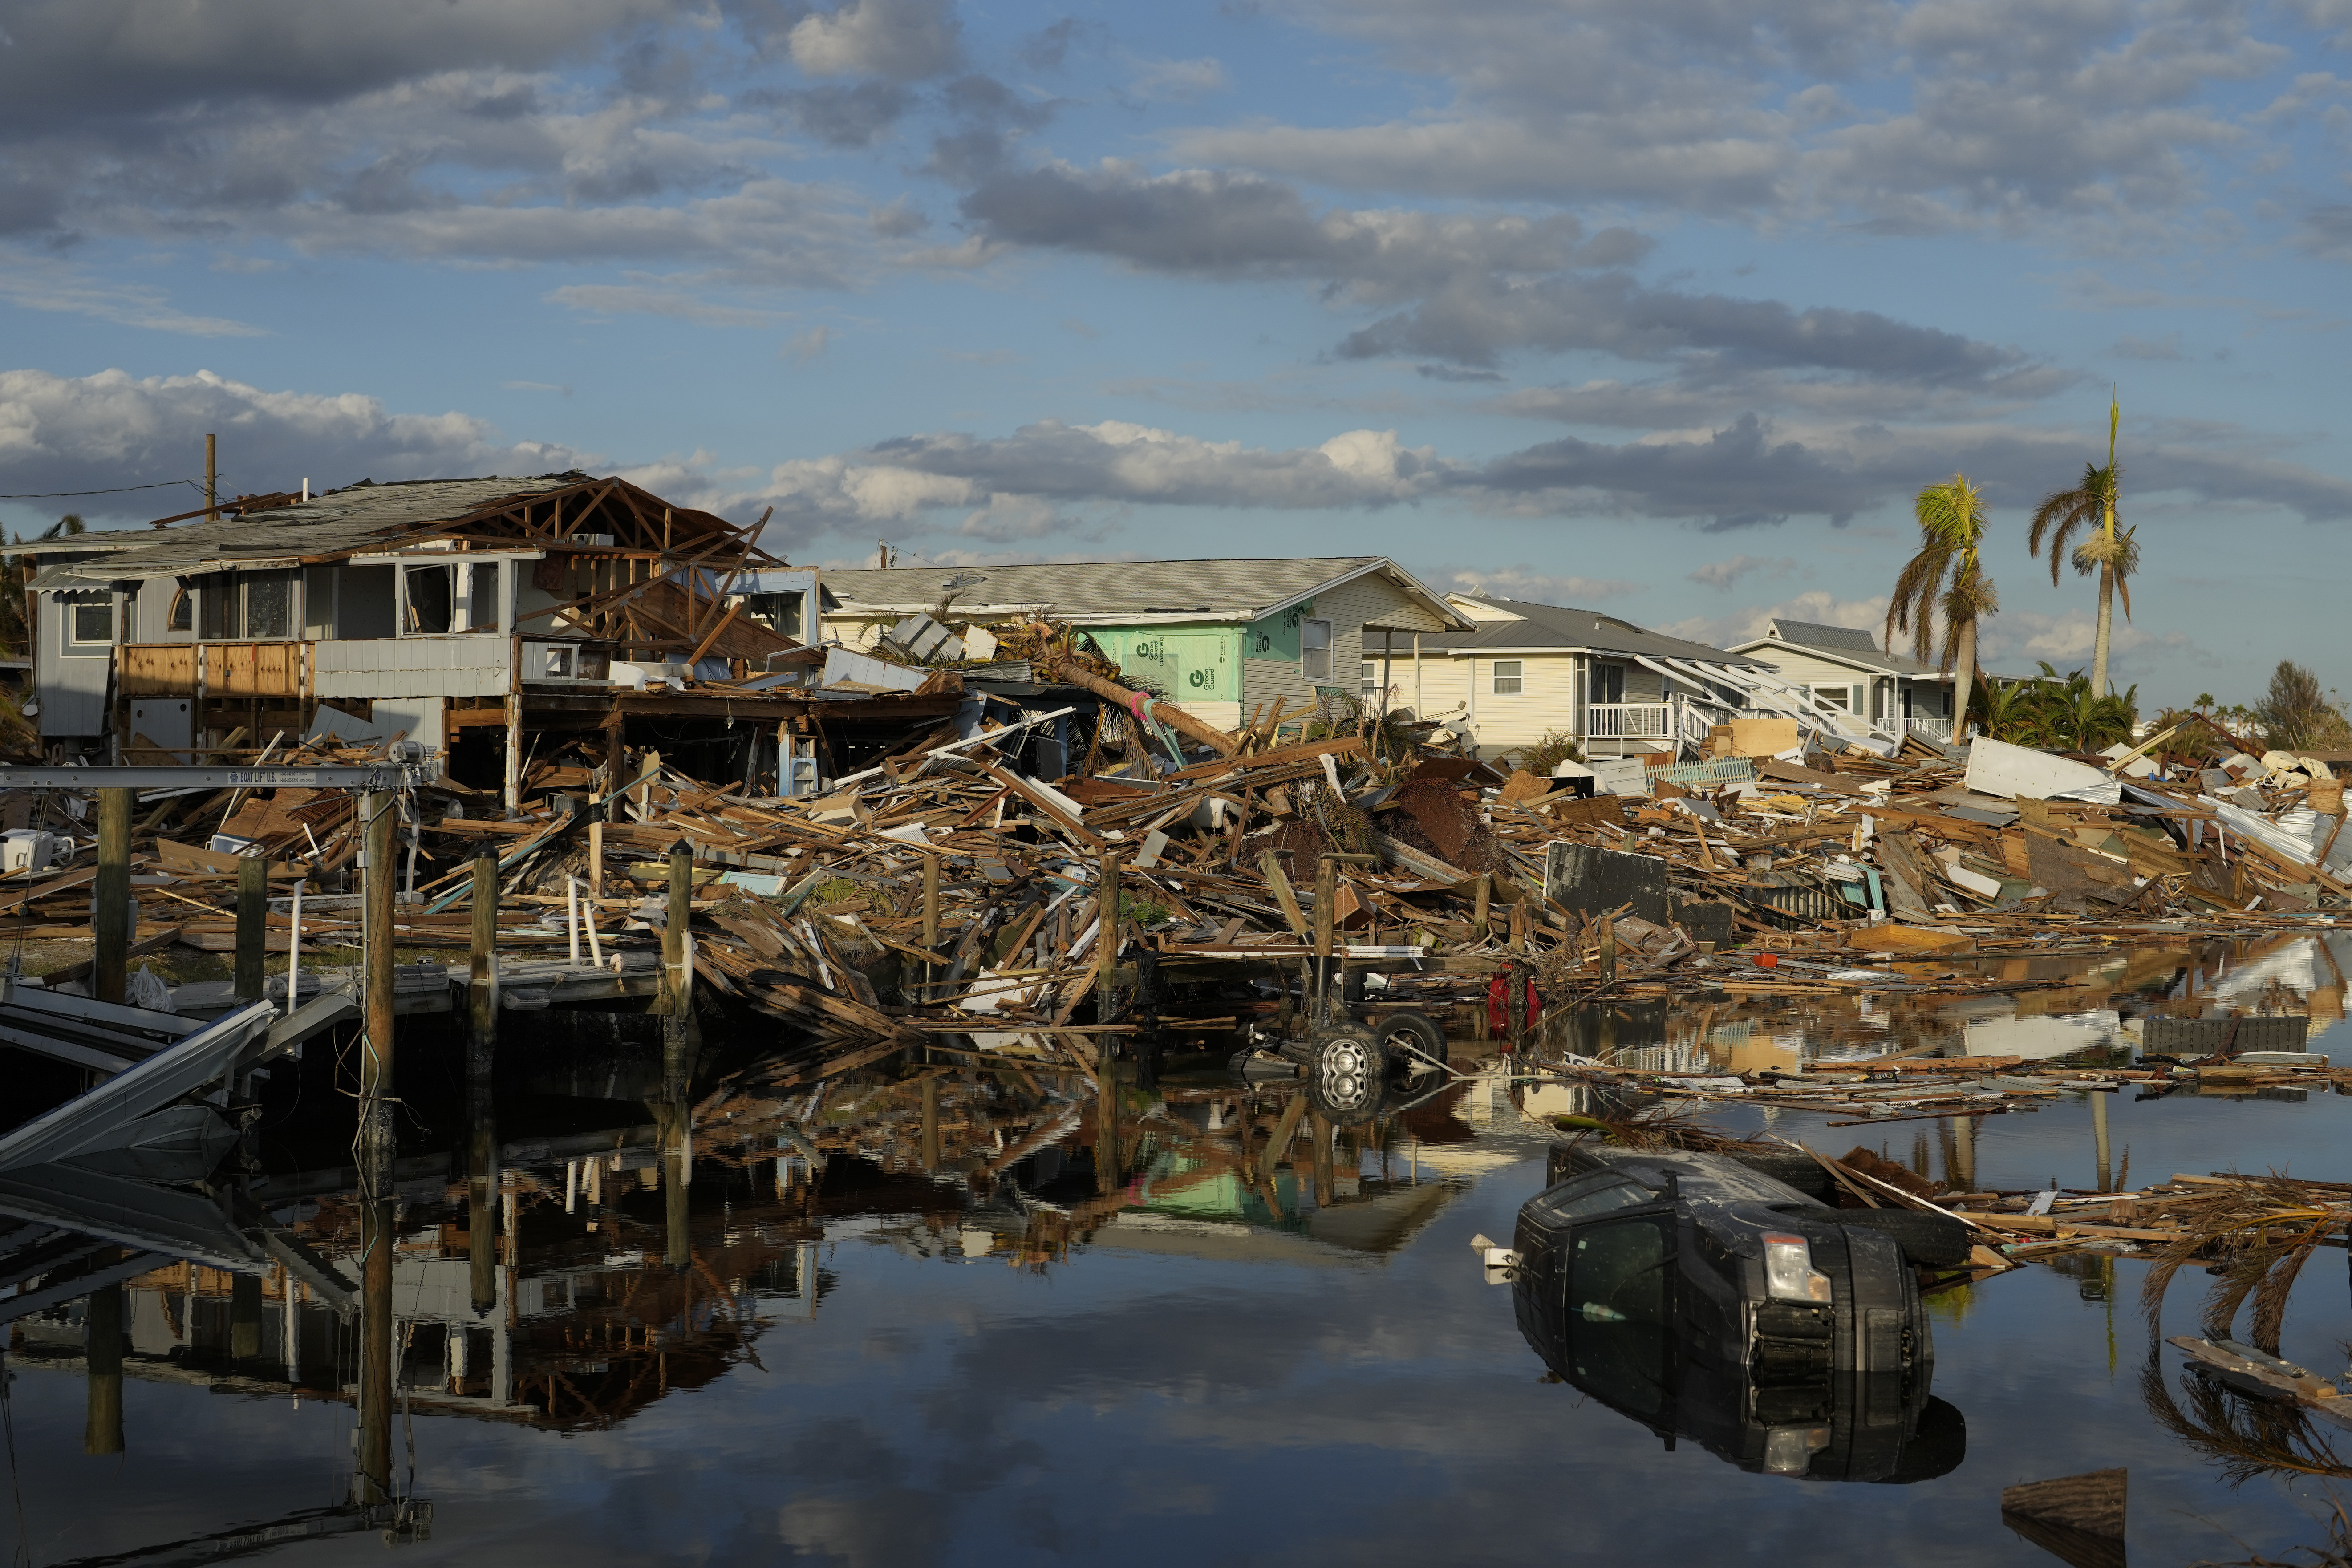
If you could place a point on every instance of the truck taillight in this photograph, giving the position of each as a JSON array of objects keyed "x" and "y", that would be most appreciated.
[{"x": 1789, "y": 1271}]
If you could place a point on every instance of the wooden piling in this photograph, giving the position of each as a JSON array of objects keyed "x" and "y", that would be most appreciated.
[
  {"x": 110, "y": 917},
  {"x": 1326, "y": 898},
  {"x": 930, "y": 921},
  {"x": 102, "y": 1365},
  {"x": 1106, "y": 946},
  {"x": 252, "y": 926},
  {"x": 680, "y": 1041},
  {"x": 931, "y": 1124},
  {"x": 245, "y": 1318},
  {"x": 481, "y": 1047},
  {"x": 1481, "y": 902},
  {"x": 372, "y": 1482}
]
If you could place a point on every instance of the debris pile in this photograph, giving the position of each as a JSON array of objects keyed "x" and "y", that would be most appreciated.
[{"x": 1078, "y": 862}]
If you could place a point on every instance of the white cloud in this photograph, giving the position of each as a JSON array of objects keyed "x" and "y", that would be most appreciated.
[
  {"x": 1722, "y": 574},
  {"x": 45, "y": 283},
  {"x": 904, "y": 40},
  {"x": 639, "y": 299},
  {"x": 1525, "y": 582},
  {"x": 74, "y": 432},
  {"x": 1178, "y": 79},
  {"x": 1818, "y": 605}
]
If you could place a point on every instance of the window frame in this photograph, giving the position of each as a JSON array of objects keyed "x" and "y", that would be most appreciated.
[
  {"x": 1517, "y": 678},
  {"x": 1309, "y": 654},
  {"x": 74, "y": 607},
  {"x": 1842, "y": 702}
]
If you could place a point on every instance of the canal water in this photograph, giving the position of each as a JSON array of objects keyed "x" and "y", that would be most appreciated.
[{"x": 951, "y": 1324}]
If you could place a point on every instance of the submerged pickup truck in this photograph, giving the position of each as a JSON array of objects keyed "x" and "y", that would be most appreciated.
[{"x": 1706, "y": 1299}]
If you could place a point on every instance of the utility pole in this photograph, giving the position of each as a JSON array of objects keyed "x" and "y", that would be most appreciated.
[{"x": 212, "y": 508}]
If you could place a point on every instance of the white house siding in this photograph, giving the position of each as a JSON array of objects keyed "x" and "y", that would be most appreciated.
[
  {"x": 1546, "y": 701},
  {"x": 397, "y": 668},
  {"x": 1367, "y": 598},
  {"x": 1803, "y": 668}
]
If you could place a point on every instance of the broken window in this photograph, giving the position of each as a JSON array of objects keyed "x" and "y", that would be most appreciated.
[
  {"x": 1315, "y": 649},
  {"x": 482, "y": 596},
  {"x": 429, "y": 600},
  {"x": 216, "y": 606},
  {"x": 780, "y": 613},
  {"x": 183, "y": 614},
  {"x": 1507, "y": 676}
]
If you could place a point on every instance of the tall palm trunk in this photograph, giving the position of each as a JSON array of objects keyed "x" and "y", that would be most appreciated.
[
  {"x": 2107, "y": 603},
  {"x": 1965, "y": 675},
  {"x": 2107, "y": 628}
]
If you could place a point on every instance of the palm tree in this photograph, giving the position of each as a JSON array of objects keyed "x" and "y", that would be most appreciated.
[
  {"x": 1946, "y": 575},
  {"x": 15, "y": 634},
  {"x": 2115, "y": 556}
]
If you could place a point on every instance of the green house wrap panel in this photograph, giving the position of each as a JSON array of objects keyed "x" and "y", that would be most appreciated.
[
  {"x": 1198, "y": 663},
  {"x": 1276, "y": 637}
]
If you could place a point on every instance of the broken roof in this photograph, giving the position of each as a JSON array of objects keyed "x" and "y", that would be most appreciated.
[
  {"x": 337, "y": 523},
  {"x": 1842, "y": 644},
  {"x": 1558, "y": 629},
  {"x": 1103, "y": 591}
]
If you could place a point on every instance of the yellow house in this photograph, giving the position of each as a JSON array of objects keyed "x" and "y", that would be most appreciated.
[{"x": 1525, "y": 669}]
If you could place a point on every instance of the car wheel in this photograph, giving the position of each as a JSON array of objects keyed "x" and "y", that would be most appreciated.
[
  {"x": 1788, "y": 1168},
  {"x": 1417, "y": 1031},
  {"x": 1348, "y": 1075},
  {"x": 1928, "y": 1240}
]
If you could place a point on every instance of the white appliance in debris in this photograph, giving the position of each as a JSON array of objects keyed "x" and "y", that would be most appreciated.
[{"x": 28, "y": 849}]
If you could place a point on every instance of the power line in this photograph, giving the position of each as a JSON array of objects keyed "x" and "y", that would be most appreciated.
[{"x": 119, "y": 490}]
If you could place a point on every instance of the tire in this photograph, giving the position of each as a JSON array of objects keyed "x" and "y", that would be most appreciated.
[
  {"x": 1349, "y": 1074},
  {"x": 1788, "y": 1168},
  {"x": 1936, "y": 1445},
  {"x": 1928, "y": 1240},
  {"x": 1415, "y": 1029}
]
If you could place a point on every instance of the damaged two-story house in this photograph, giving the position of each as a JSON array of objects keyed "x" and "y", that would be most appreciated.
[{"x": 483, "y": 617}]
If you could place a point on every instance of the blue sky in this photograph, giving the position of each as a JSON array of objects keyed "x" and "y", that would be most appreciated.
[{"x": 1665, "y": 306}]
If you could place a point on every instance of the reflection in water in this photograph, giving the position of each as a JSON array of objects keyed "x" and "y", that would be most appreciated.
[
  {"x": 2085, "y": 1006},
  {"x": 568, "y": 1283}
]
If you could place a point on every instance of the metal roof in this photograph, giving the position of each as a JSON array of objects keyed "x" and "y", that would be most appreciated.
[
  {"x": 1114, "y": 591},
  {"x": 337, "y": 523},
  {"x": 1558, "y": 629},
  {"x": 1842, "y": 644}
]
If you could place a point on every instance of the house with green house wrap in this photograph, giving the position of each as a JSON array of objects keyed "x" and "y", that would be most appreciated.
[{"x": 1220, "y": 638}]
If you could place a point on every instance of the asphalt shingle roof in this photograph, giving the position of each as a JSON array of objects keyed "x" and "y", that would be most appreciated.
[
  {"x": 1224, "y": 590},
  {"x": 1559, "y": 626},
  {"x": 1851, "y": 644}
]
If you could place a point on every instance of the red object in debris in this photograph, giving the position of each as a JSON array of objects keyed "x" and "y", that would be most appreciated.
[
  {"x": 1498, "y": 1005},
  {"x": 1535, "y": 1002},
  {"x": 1765, "y": 960}
]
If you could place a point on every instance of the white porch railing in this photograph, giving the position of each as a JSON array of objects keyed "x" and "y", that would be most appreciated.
[
  {"x": 1627, "y": 721},
  {"x": 1937, "y": 730}
]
